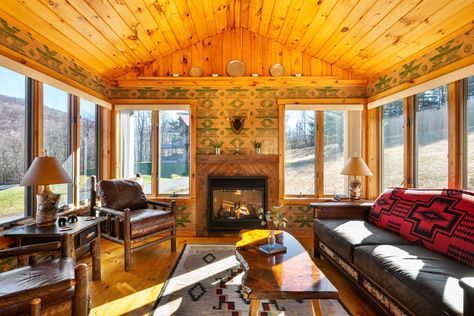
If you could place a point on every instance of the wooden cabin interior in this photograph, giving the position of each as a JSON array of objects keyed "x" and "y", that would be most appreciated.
[{"x": 236, "y": 157}]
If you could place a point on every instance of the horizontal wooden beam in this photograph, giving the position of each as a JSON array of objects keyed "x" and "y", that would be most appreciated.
[{"x": 236, "y": 81}]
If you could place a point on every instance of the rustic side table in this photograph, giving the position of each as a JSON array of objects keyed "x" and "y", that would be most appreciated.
[
  {"x": 85, "y": 232},
  {"x": 336, "y": 209}
]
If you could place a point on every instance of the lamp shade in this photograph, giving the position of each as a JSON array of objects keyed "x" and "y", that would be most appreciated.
[
  {"x": 355, "y": 166},
  {"x": 45, "y": 170}
]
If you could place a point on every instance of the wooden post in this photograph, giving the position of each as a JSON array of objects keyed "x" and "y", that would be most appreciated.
[
  {"x": 81, "y": 291},
  {"x": 35, "y": 307},
  {"x": 316, "y": 305},
  {"x": 173, "y": 232},
  {"x": 409, "y": 141},
  {"x": 127, "y": 242},
  {"x": 254, "y": 305},
  {"x": 455, "y": 126},
  {"x": 95, "y": 253}
]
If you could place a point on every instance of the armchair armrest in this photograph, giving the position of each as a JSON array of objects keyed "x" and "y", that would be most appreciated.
[
  {"x": 171, "y": 205},
  {"x": 467, "y": 285},
  {"x": 109, "y": 211},
  {"x": 28, "y": 250}
]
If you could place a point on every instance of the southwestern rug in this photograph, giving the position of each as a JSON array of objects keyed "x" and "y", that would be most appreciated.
[{"x": 206, "y": 281}]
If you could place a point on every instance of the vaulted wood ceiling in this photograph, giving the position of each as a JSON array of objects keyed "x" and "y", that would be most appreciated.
[{"x": 361, "y": 36}]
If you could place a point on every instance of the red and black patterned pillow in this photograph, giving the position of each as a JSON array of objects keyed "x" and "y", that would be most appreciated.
[{"x": 441, "y": 220}]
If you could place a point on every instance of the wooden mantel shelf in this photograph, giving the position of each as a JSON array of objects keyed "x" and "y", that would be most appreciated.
[{"x": 236, "y": 159}]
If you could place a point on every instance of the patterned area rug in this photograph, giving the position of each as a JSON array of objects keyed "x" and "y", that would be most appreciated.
[{"x": 207, "y": 281}]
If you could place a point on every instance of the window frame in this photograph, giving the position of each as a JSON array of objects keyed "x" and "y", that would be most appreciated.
[
  {"x": 156, "y": 105},
  {"x": 319, "y": 106}
]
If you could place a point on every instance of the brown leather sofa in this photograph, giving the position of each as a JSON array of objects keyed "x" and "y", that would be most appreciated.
[
  {"x": 131, "y": 217},
  {"x": 402, "y": 278}
]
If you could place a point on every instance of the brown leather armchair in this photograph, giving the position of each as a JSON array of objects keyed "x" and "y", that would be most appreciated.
[
  {"x": 52, "y": 287},
  {"x": 131, "y": 217}
]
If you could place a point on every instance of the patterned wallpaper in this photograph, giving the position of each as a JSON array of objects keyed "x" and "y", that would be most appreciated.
[
  {"x": 448, "y": 53},
  {"x": 26, "y": 45},
  {"x": 258, "y": 104}
]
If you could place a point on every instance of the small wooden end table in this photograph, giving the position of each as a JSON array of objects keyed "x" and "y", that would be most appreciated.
[
  {"x": 85, "y": 231},
  {"x": 340, "y": 209},
  {"x": 289, "y": 275}
]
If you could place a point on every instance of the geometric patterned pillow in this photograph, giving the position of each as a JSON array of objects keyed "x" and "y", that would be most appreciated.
[{"x": 440, "y": 220}]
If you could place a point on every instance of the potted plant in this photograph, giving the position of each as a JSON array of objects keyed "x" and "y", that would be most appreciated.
[
  {"x": 274, "y": 220},
  {"x": 258, "y": 147},
  {"x": 217, "y": 147}
]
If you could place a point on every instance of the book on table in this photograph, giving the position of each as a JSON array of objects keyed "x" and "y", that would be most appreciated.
[{"x": 271, "y": 249}]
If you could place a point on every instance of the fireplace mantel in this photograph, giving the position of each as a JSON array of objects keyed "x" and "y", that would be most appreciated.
[{"x": 232, "y": 165}]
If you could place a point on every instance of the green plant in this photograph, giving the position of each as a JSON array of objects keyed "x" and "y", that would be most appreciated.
[
  {"x": 257, "y": 144},
  {"x": 273, "y": 218},
  {"x": 218, "y": 144}
]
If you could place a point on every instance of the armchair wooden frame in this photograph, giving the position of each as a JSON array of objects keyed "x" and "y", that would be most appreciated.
[
  {"x": 27, "y": 255},
  {"x": 116, "y": 218}
]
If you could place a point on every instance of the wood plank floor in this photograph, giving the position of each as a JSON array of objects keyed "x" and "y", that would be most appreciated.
[{"x": 135, "y": 292}]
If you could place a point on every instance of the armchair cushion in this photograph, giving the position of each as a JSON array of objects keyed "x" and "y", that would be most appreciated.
[
  {"x": 121, "y": 194},
  {"x": 148, "y": 221}
]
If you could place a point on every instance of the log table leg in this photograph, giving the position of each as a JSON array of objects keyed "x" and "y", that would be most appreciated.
[
  {"x": 95, "y": 253},
  {"x": 35, "y": 307},
  {"x": 254, "y": 305},
  {"x": 316, "y": 305}
]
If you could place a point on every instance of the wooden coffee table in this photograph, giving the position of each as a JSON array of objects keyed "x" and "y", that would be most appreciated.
[{"x": 290, "y": 275}]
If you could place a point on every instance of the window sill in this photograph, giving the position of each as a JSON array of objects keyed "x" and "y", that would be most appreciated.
[
  {"x": 169, "y": 198},
  {"x": 304, "y": 200}
]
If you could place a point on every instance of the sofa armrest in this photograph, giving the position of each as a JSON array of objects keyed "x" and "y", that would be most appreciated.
[
  {"x": 467, "y": 285},
  {"x": 342, "y": 210}
]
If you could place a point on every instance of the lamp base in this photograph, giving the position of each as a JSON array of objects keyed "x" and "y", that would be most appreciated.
[
  {"x": 355, "y": 188},
  {"x": 47, "y": 210}
]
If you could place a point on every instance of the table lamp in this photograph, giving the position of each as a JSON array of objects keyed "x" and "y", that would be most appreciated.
[
  {"x": 355, "y": 166},
  {"x": 45, "y": 171}
]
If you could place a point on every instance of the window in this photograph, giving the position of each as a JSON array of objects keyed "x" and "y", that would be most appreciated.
[
  {"x": 470, "y": 133},
  {"x": 136, "y": 145},
  {"x": 315, "y": 149},
  {"x": 431, "y": 135},
  {"x": 88, "y": 145},
  {"x": 174, "y": 136},
  {"x": 14, "y": 154},
  {"x": 334, "y": 153},
  {"x": 57, "y": 135},
  {"x": 392, "y": 144}
]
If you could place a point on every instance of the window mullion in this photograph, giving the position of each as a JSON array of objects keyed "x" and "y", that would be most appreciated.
[
  {"x": 155, "y": 153},
  {"x": 319, "y": 153}
]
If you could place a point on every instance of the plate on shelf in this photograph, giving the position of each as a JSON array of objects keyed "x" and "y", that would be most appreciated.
[
  {"x": 235, "y": 68},
  {"x": 195, "y": 71},
  {"x": 277, "y": 70}
]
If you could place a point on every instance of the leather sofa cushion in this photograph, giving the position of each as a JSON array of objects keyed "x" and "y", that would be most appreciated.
[
  {"x": 424, "y": 281},
  {"x": 440, "y": 220},
  {"x": 121, "y": 194},
  {"x": 147, "y": 221},
  {"x": 342, "y": 235}
]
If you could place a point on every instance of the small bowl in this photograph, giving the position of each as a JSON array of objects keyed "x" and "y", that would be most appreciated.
[
  {"x": 175, "y": 75},
  {"x": 255, "y": 75},
  {"x": 215, "y": 75},
  {"x": 298, "y": 74}
]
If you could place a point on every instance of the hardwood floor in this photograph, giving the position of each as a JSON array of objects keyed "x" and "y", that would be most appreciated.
[{"x": 135, "y": 292}]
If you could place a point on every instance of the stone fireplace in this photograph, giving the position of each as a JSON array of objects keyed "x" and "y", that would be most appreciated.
[{"x": 234, "y": 202}]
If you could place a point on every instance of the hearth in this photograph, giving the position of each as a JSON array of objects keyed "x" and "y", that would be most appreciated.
[{"x": 234, "y": 202}]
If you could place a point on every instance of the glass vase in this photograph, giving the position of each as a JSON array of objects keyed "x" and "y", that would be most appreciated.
[{"x": 271, "y": 237}]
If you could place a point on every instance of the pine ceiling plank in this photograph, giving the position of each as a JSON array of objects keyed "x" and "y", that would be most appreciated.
[
  {"x": 67, "y": 47},
  {"x": 199, "y": 19},
  {"x": 197, "y": 54},
  {"x": 237, "y": 13},
  {"x": 255, "y": 13},
  {"x": 376, "y": 32},
  {"x": 162, "y": 23},
  {"x": 408, "y": 23},
  {"x": 55, "y": 29},
  {"x": 244, "y": 13},
  {"x": 256, "y": 65},
  {"x": 141, "y": 13},
  {"x": 333, "y": 23},
  {"x": 308, "y": 12},
  {"x": 230, "y": 13},
  {"x": 135, "y": 47},
  {"x": 236, "y": 48},
  {"x": 209, "y": 15},
  {"x": 220, "y": 14},
  {"x": 103, "y": 9},
  {"x": 318, "y": 20},
  {"x": 266, "y": 16},
  {"x": 226, "y": 48},
  {"x": 180, "y": 9},
  {"x": 280, "y": 9},
  {"x": 70, "y": 16},
  {"x": 216, "y": 53},
  {"x": 207, "y": 57},
  {"x": 290, "y": 20},
  {"x": 342, "y": 42},
  {"x": 247, "y": 49},
  {"x": 266, "y": 56},
  {"x": 423, "y": 35}
]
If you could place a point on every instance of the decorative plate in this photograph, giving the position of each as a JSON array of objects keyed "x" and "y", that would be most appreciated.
[
  {"x": 277, "y": 70},
  {"x": 195, "y": 71},
  {"x": 235, "y": 68}
]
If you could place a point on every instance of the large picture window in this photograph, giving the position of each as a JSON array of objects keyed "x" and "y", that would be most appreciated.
[
  {"x": 392, "y": 144},
  {"x": 57, "y": 135},
  {"x": 470, "y": 132},
  {"x": 334, "y": 152},
  {"x": 431, "y": 136},
  {"x": 88, "y": 144},
  {"x": 14, "y": 130}
]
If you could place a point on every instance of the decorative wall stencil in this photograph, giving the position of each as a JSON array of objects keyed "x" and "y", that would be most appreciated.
[
  {"x": 26, "y": 45},
  {"x": 299, "y": 216},
  {"x": 443, "y": 55},
  {"x": 258, "y": 104}
]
